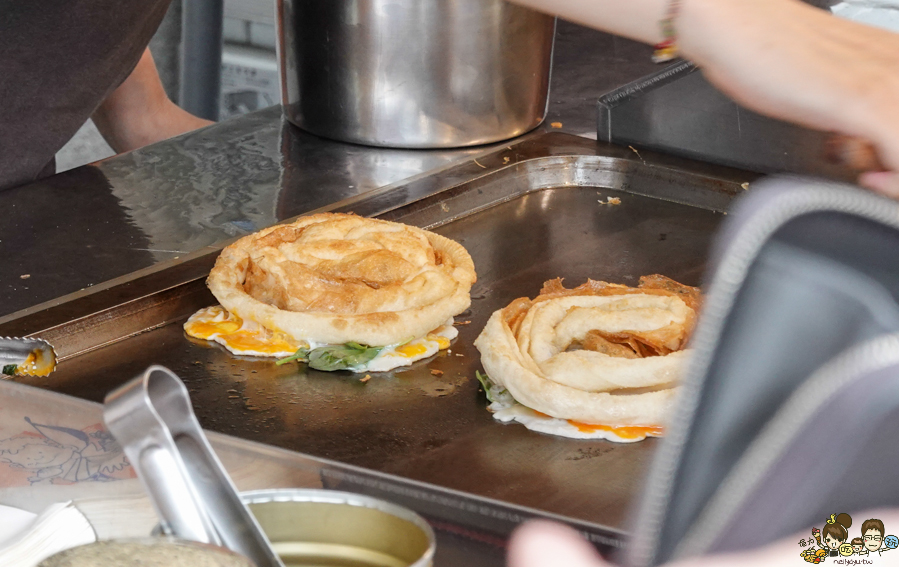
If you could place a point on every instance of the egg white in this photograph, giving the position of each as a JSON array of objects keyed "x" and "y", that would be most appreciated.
[
  {"x": 515, "y": 412},
  {"x": 217, "y": 324},
  {"x": 240, "y": 336},
  {"x": 417, "y": 349}
]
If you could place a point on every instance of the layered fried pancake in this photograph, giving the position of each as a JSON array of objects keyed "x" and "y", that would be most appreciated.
[
  {"x": 595, "y": 358},
  {"x": 339, "y": 279}
]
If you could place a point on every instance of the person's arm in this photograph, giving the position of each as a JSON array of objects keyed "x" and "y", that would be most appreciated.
[
  {"x": 634, "y": 19},
  {"x": 546, "y": 544},
  {"x": 781, "y": 58},
  {"x": 139, "y": 112}
]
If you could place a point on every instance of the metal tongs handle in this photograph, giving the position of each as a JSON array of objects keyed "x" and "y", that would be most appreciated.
[{"x": 152, "y": 419}]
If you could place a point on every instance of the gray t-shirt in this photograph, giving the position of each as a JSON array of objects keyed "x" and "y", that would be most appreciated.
[{"x": 59, "y": 59}]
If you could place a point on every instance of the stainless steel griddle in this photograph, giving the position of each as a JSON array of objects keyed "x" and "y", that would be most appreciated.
[{"x": 526, "y": 213}]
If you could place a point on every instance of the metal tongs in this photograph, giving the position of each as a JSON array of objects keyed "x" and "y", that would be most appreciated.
[
  {"x": 152, "y": 419},
  {"x": 34, "y": 357}
]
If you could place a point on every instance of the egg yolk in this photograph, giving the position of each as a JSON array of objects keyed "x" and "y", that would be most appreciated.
[
  {"x": 217, "y": 323},
  {"x": 624, "y": 432},
  {"x": 442, "y": 342},
  {"x": 204, "y": 329},
  {"x": 411, "y": 350},
  {"x": 213, "y": 321},
  {"x": 250, "y": 341}
]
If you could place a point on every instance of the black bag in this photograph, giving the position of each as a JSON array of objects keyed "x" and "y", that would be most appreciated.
[{"x": 789, "y": 411}]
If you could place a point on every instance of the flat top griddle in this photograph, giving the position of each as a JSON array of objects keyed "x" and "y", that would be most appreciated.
[{"x": 534, "y": 216}]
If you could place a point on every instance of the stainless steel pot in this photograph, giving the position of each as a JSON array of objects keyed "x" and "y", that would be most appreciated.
[{"x": 414, "y": 73}]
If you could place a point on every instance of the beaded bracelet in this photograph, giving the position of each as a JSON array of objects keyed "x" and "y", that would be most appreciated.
[{"x": 666, "y": 50}]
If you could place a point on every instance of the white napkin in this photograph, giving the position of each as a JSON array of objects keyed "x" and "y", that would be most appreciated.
[
  {"x": 26, "y": 539},
  {"x": 13, "y": 522}
]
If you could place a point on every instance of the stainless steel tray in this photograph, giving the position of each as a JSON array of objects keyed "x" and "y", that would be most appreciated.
[{"x": 526, "y": 214}]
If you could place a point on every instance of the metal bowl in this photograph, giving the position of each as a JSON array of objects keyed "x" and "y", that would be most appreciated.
[
  {"x": 315, "y": 527},
  {"x": 341, "y": 529}
]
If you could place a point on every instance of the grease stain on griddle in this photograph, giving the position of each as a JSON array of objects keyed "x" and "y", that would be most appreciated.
[{"x": 588, "y": 453}]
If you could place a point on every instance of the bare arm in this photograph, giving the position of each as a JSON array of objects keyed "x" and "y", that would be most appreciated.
[
  {"x": 634, "y": 19},
  {"x": 139, "y": 112},
  {"x": 781, "y": 58},
  {"x": 546, "y": 544}
]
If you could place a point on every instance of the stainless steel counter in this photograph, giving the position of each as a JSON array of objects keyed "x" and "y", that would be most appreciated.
[
  {"x": 98, "y": 222},
  {"x": 64, "y": 453},
  {"x": 539, "y": 210}
]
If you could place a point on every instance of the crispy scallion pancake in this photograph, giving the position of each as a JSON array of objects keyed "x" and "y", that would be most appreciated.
[
  {"x": 338, "y": 279},
  {"x": 598, "y": 354}
]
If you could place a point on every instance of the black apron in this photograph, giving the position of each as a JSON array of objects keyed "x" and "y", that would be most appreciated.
[{"x": 59, "y": 59}]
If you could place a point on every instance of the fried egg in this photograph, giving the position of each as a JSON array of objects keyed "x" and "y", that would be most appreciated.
[
  {"x": 240, "y": 336},
  {"x": 248, "y": 338},
  {"x": 540, "y": 422},
  {"x": 404, "y": 355}
]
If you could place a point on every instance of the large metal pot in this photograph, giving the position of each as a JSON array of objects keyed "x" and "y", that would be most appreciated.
[{"x": 414, "y": 73}]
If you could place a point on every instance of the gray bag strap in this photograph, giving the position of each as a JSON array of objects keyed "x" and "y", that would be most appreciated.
[
  {"x": 804, "y": 270},
  {"x": 829, "y": 449}
]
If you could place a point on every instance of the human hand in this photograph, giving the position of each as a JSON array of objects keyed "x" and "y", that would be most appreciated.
[
  {"x": 548, "y": 544},
  {"x": 785, "y": 59}
]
